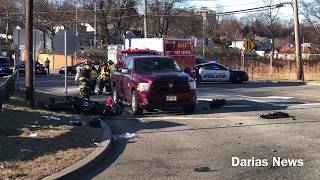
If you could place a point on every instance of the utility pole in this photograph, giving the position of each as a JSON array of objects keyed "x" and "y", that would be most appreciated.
[
  {"x": 75, "y": 53},
  {"x": 29, "y": 53},
  {"x": 299, "y": 62},
  {"x": 145, "y": 19},
  {"x": 204, "y": 23},
  {"x": 95, "y": 24}
]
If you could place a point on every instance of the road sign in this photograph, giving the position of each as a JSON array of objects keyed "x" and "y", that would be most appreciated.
[
  {"x": 249, "y": 45},
  {"x": 59, "y": 42},
  {"x": 66, "y": 43},
  {"x": 19, "y": 37}
]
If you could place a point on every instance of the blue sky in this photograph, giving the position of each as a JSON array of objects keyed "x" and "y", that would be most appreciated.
[{"x": 233, "y": 5}]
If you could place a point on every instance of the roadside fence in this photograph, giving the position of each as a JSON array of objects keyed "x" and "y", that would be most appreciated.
[{"x": 7, "y": 89}]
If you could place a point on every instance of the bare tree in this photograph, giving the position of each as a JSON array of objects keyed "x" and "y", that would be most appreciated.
[
  {"x": 9, "y": 15},
  {"x": 161, "y": 13},
  {"x": 49, "y": 15},
  {"x": 111, "y": 15},
  {"x": 311, "y": 12},
  {"x": 271, "y": 18}
]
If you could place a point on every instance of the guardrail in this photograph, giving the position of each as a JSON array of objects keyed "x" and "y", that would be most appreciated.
[{"x": 7, "y": 89}]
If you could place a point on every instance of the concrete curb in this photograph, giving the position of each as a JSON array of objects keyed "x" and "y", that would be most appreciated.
[{"x": 88, "y": 162}]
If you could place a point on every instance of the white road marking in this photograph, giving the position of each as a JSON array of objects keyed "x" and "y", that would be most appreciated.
[
  {"x": 197, "y": 118},
  {"x": 265, "y": 102},
  {"x": 204, "y": 99},
  {"x": 313, "y": 83},
  {"x": 237, "y": 106},
  {"x": 266, "y": 97},
  {"x": 205, "y": 89},
  {"x": 228, "y": 106},
  {"x": 289, "y": 106},
  {"x": 307, "y": 105}
]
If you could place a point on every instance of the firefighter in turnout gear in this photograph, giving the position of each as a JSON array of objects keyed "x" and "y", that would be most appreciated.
[
  {"x": 84, "y": 80},
  {"x": 103, "y": 77},
  {"x": 111, "y": 67},
  {"x": 94, "y": 77}
]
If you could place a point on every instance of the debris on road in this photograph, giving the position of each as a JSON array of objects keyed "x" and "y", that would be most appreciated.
[
  {"x": 124, "y": 136},
  {"x": 93, "y": 122},
  {"x": 202, "y": 169},
  {"x": 77, "y": 104},
  {"x": 75, "y": 123},
  {"x": 277, "y": 115},
  {"x": 26, "y": 150},
  {"x": 51, "y": 118},
  {"x": 216, "y": 103},
  {"x": 33, "y": 135}
]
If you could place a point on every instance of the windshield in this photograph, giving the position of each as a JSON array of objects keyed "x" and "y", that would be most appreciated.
[{"x": 156, "y": 64}]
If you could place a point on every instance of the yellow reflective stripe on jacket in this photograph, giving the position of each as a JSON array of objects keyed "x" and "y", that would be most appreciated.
[{"x": 104, "y": 74}]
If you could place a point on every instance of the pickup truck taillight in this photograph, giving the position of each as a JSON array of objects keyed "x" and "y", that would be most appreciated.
[{"x": 143, "y": 87}]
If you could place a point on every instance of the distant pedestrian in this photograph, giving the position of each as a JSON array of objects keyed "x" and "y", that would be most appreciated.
[{"x": 47, "y": 64}]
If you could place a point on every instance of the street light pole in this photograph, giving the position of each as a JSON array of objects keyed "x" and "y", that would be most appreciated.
[
  {"x": 28, "y": 49},
  {"x": 299, "y": 61},
  {"x": 145, "y": 19},
  {"x": 75, "y": 53},
  {"x": 204, "y": 20},
  {"x": 95, "y": 24}
]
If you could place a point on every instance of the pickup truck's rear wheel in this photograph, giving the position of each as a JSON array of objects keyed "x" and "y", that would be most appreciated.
[{"x": 136, "y": 109}]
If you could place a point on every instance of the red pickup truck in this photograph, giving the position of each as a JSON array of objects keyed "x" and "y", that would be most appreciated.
[{"x": 153, "y": 82}]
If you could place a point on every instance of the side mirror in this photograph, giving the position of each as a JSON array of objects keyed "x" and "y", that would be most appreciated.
[{"x": 125, "y": 71}]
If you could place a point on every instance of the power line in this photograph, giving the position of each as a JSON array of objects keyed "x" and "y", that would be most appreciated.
[
  {"x": 256, "y": 9},
  {"x": 65, "y": 11}
]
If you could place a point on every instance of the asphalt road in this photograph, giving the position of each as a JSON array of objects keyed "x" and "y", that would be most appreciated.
[
  {"x": 53, "y": 84},
  {"x": 2, "y": 80},
  {"x": 170, "y": 145}
]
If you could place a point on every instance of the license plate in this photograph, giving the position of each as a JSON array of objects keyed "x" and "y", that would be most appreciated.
[{"x": 171, "y": 98}]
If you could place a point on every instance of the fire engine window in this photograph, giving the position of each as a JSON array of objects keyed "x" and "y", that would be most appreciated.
[
  {"x": 130, "y": 65},
  {"x": 169, "y": 47}
]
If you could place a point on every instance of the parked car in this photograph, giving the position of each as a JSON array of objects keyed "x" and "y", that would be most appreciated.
[
  {"x": 6, "y": 67},
  {"x": 153, "y": 82},
  {"x": 73, "y": 69},
  {"x": 214, "y": 72},
  {"x": 40, "y": 69}
]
